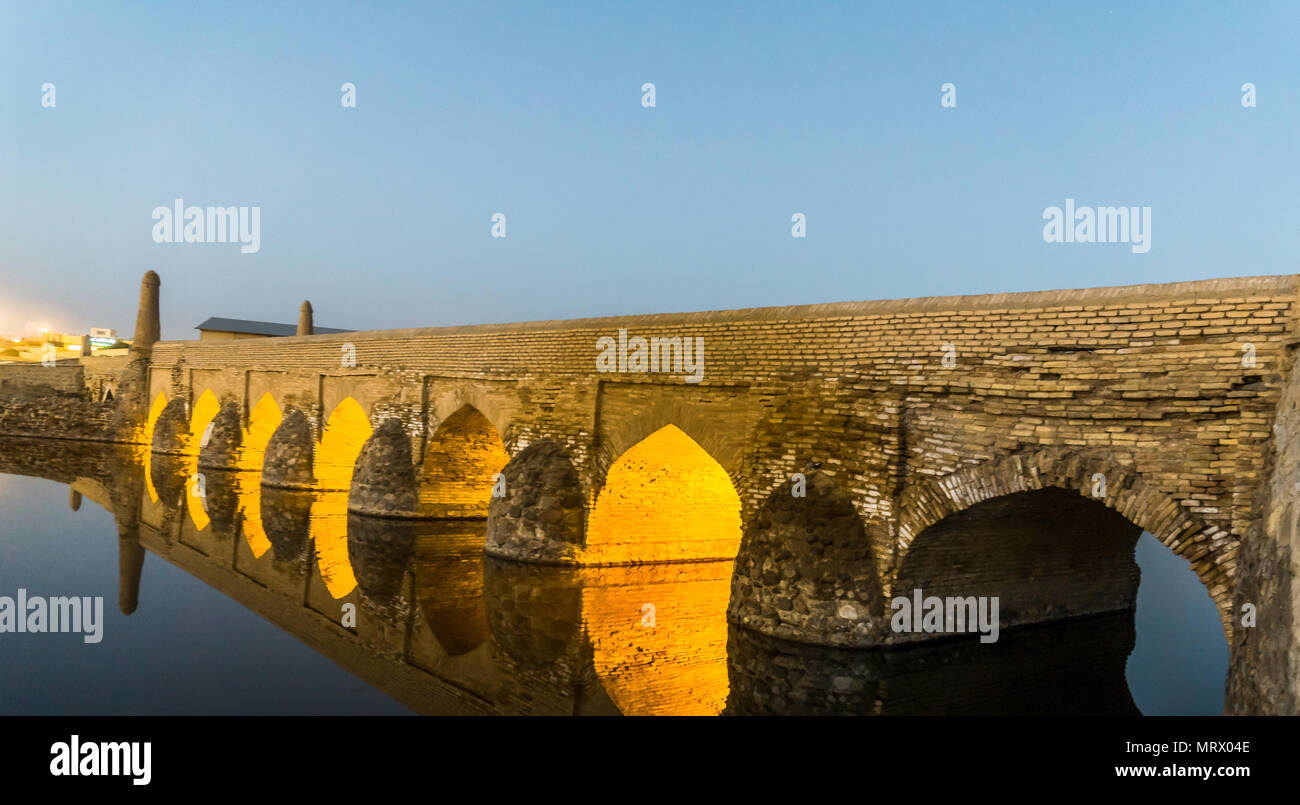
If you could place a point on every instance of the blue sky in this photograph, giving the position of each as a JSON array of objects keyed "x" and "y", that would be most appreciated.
[{"x": 381, "y": 214}]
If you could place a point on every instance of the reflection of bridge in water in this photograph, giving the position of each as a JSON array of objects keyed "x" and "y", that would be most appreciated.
[{"x": 443, "y": 628}]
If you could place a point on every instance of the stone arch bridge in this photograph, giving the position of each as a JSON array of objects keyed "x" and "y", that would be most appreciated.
[{"x": 1008, "y": 444}]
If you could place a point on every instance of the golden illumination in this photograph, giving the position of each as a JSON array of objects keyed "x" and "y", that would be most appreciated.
[
  {"x": 462, "y": 456},
  {"x": 329, "y": 532},
  {"x": 248, "y": 485},
  {"x": 155, "y": 411},
  {"x": 205, "y": 410},
  {"x": 664, "y": 500},
  {"x": 262, "y": 422},
  {"x": 346, "y": 432},
  {"x": 659, "y": 636}
]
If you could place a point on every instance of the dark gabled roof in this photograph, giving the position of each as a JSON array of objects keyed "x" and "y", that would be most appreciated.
[{"x": 259, "y": 327}]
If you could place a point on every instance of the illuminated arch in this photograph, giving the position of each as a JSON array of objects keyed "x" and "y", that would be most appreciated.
[
  {"x": 155, "y": 411},
  {"x": 249, "y": 488},
  {"x": 461, "y": 459},
  {"x": 170, "y": 431},
  {"x": 346, "y": 432},
  {"x": 262, "y": 422},
  {"x": 205, "y": 410},
  {"x": 664, "y": 500}
]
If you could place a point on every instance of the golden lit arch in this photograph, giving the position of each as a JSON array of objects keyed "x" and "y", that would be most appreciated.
[
  {"x": 205, "y": 410},
  {"x": 155, "y": 411},
  {"x": 460, "y": 460},
  {"x": 262, "y": 422},
  {"x": 666, "y": 499},
  {"x": 248, "y": 486},
  {"x": 346, "y": 432}
]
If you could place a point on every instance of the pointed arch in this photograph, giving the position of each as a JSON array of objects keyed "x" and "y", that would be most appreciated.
[
  {"x": 346, "y": 432},
  {"x": 461, "y": 460},
  {"x": 262, "y": 423},
  {"x": 665, "y": 499},
  {"x": 205, "y": 410}
]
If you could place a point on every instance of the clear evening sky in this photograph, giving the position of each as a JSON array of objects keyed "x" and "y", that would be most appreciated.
[{"x": 381, "y": 214}]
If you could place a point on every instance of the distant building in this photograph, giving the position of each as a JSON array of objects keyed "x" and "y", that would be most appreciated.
[{"x": 219, "y": 329}]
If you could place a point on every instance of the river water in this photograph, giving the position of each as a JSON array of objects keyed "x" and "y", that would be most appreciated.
[{"x": 319, "y": 612}]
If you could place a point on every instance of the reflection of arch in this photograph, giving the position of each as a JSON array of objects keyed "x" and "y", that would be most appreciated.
[
  {"x": 346, "y": 432},
  {"x": 805, "y": 570},
  {"x": 262, "y": 423},
  {"x": 460, "y": 460},
  {"x": 1208, "y": 547},
  {"x": 249, "y": 489},
  {"x": 288, "y": 461},
  {"x": 329, "y": 533},
  {"x": 379, "y": 550},
  {"x": 540, "y": 517},
  {"x": 170, "y": 428},
  {"x": 286, "y": 521},
  {"x": 449, "y": 583},
  {"x": 1074, "y": 668},
  {"x": 167, "y": 478},
  {"x": 658, "y": 635},
  {"x": 665, "y": 499},
  {"x": 219, "y": 502}
]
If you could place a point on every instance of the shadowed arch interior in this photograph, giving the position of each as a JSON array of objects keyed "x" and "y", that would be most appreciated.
[
  {"x": 665, "y": 499},
  {"x": 1046, "y": 554},
  {"x": 460, "y": 460},
  {"x": 170, "y": 428}
]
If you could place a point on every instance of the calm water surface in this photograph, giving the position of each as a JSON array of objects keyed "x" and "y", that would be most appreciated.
[{"x": 233, "y": 619}]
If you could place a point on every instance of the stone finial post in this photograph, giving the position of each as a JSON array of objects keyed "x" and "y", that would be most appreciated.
[
  {"x": 147, "y": 328},
  {"x": 85, "y": 346},
  {"x": 305, "y": 326}
]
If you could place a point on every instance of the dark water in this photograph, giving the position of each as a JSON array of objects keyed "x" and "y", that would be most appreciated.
[{"x": 226, "y": 624}]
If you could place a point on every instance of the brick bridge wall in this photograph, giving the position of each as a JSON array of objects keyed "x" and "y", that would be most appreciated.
[
  {"x": 1144, "y": 384},
  {"x": 900, "y": 414}
]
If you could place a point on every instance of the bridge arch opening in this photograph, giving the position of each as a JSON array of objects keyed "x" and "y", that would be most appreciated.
[
  {"x": 346, "y": 432},
  {"x": 262, "y": 422},
  {"x": 461, "y": 460},
  {"x": 664, "y": 500},
  {"x": 170, "y": 428},
  {"x": 1052, "y": 555},
  {"x": 205, "y": 410},
  {"x": 219, "y": 443},
  {"x": 289, "y": 453}
]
